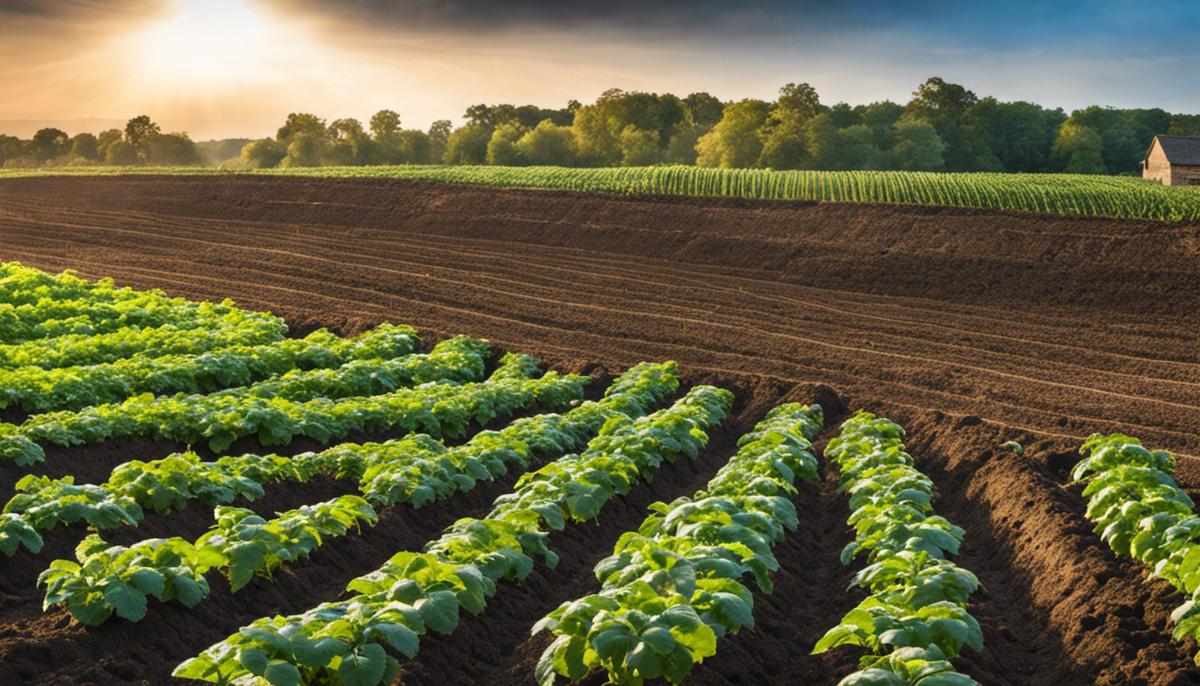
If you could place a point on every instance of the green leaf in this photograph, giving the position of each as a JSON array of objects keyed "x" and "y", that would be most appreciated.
[
  {"x": 254, "y": 660},
  {"x": 439, "y": 611},
  {"x": 280, "y": 673},
  {"x": 363, "y": 667},
  {"x": 398, "y": 636},
  {"x": 188, "y": 591},
  {"x": 149, "y": 582},
  {"x": 128, "y": 602}
]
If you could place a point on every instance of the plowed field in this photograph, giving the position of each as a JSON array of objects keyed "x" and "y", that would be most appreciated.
[{"x": 971, "y": 328}]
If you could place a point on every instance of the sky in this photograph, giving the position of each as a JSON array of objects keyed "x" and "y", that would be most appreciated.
[{"x": 224, "y": 68}]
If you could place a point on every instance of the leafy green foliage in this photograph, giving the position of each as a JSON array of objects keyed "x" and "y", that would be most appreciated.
[
  {"x": 673, "y": 586},
  {"x": 418, "y": 592},
  {"x": 443, "y": 408},
  {"x": 144, "y": 322},
  {"x": 1140, "y": 511},
  {"x": 40, "y": 390},
  {"x": 915, "y": 616},
  {"x": 117, "y": 579},
  {"x": 108, "y": 578}
]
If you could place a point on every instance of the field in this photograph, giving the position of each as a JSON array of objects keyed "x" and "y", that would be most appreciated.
[
  {"x": 1082, "y": 194},
  {"x": 969, "y": 327}
]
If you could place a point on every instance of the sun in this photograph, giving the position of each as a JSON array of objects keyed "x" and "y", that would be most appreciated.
[{"x": 205, "y": 42}]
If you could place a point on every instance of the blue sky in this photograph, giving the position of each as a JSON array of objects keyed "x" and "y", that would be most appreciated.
[{"x": 220, "y": 67}]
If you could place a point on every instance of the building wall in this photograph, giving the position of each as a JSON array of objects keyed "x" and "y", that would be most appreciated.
[
  {"x": 1185, "y": 176},
  {"x": 1157, "y": 167}
]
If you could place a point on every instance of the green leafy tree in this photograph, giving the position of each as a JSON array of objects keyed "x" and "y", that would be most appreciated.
[
  {"x": 50, "y": 143},
  {"x": 1079, "y": 149},
  {"x": 84, "y": 146},
  {"x": 121, "y": 153},
  {"x": 502, "y": 147},
  {"x": 703, "y": 109},
  {"x": 263, "y": 154},
  {"x": 467, "y": 145},
  {"x": 786, "y": 130},
  {"x": 385, "y": 124},
  {"x": 305, "y": 150},
  {"x": 439, "y": 139},
  {"x": 171, "y": 149},
  {"x": 301, "y": 123},
  {"x": 10, "y": 148},
  {"x": 944, "y": 105},
  {"x": 547, "y": 144},
  {"x": 681, "y": 148},
  {"x": 138, "y": 132},
  {"x": 639, "y": 148},
  {"x": 918, "y": 146},
  {"x": 106, "y": 139},
  {"x": 734, "y": 142}
]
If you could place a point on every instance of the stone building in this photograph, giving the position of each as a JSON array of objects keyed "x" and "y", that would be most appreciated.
[{"x": 1173, "y": 161}]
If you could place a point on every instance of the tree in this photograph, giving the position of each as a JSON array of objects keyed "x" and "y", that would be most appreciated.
[
  {"x": 384, "y": 125},
  {"x": 734, "y": 141},
  {"x": 439, "y": 137},
  {"x": 1079, "y": 149},
  {"x": 48, "y": 144},
  {"x": 263, "y": 154},
  {"x": 881, "y": 118},
  {"x": 703, "y": 109},
  {"x": 139, "y": 130},
  {"x": 10, "y": 148},
  {"x": 944, "y": 105},
  {"x": 821, "y": 143},
  {"x": 502, "y": 147},
  {"x": 467, "y": 145},
  {"x": 638, "y": 148},
  {"x": 1184, "y": 125},
  {"x": 106, "y": 139},
  {"x": 857, "y": 150},
  {"x": 171, "y": 149},
  {"x": 681, "y": 149},
  {"x": 785, "y": 130},
  {"x": 305, "y": 150},
  {"x": 84, "y": 146},
  {"x": 918, "y": 146},
  {"x": 413, "y": 147},
  {"x": 547, "y": 144},
  {"x": 301, "y": 123},
  {"x": 121, "y": 153}
]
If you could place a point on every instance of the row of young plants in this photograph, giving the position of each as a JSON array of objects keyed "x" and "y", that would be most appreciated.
[
  {"x": 106, "y": 579},
  {"x": 35, "y": 389},
  {"x": 236, "y": 327},
  {"x": 244, "y": 545},
  {"x": 1140, "y": 511},
  {"x": 914, "y": 620},
  {"x": 320, "y": 404},
  {"x": 673, "y": 587},
  {"x": 49, "y": 317},
  {"x": 346, "y": 641},
  {"x": 416, "y": 469},
  {"x": 24, "y": 285}
]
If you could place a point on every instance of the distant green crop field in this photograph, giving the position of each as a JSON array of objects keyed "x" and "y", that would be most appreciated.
[{"x": 1105, "y": 196}]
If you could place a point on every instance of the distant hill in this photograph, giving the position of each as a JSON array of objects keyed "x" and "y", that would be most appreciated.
[{"x": 25, "y": 128}]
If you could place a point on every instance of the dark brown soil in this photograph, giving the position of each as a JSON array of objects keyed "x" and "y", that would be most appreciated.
[{"x": 971, "y": 327}]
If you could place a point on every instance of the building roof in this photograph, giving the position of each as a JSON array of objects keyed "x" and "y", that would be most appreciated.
[{"x": 1181, "y": 149}]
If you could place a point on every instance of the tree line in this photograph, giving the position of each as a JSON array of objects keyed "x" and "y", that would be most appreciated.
[
  {"x": 943, "y": 127},
  {"x": 142, "y": 142}
]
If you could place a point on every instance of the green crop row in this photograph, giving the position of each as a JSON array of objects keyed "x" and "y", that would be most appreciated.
[
  {"x": 914, "y": 618},
  {"x": 118, "y": 579},
  {"x": 416, "y": 469},
  {"x": 321, "y": 404},
  {"x": 673, "y": 587},
  {"x": 1141, "y": 512},
  {"x": 36, "y": 389},
  {"x": 344, "y": 641}
]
